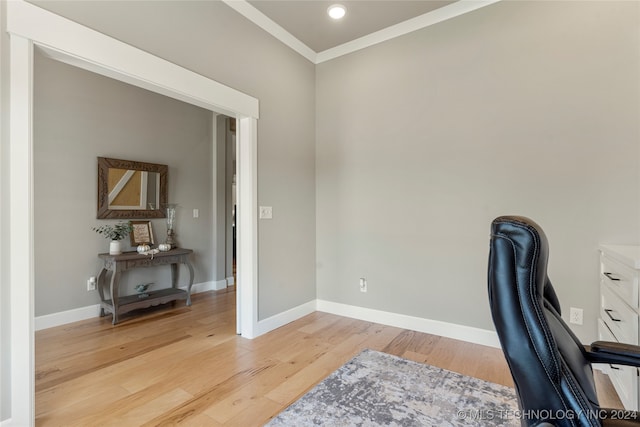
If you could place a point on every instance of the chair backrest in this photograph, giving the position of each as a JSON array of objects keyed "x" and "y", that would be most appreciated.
[{"x": 552, "y": 375}]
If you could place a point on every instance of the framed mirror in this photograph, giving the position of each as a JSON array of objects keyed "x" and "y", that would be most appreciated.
[{"x": 131, "y": 190}]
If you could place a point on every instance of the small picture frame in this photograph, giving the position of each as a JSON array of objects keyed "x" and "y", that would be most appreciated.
[{"x": 142, "y": 233}]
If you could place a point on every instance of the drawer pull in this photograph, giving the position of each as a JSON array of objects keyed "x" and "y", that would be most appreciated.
[
  {"x": 614, "y": 367},
  {"x": 610, "y": 276},
  {"x": 608, "y": 311}
]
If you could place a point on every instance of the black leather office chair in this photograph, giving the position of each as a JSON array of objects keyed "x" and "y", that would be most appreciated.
[{"x": 551, "y": 369}]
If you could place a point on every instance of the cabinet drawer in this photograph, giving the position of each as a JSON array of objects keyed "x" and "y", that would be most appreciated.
[
  {"x": 618, "y": 316},
  {"x": 621, "y": 279},
  {"x": 623, "y": 378}
]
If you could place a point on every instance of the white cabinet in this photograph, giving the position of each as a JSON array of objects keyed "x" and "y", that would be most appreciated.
[{"x": 619, "y": 312}]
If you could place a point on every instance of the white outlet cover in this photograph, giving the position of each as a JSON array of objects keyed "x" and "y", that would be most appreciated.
[
  {"x": 575, "y": 316},
  {"x": 266, "y": 212}
]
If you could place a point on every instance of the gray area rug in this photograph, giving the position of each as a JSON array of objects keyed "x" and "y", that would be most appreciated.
[{"x": 378, "y": 389}]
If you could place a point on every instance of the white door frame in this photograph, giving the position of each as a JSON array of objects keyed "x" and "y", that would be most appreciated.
[{"x": 29, "y": 27}]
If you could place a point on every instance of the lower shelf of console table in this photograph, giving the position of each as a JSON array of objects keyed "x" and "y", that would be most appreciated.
[
  {"x": 114, "y": 265},
  {"x": 133, "y": 302}
]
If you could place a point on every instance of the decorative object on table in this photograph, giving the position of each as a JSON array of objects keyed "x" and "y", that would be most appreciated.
[
  {"x": 378, "y": 389},
  {"x": 141, "y": 234},
  {"x": 171, "y": 222},
  {"x": 141, "y": 289},
  {"x": 164, "y": 247},
  {"x": 143, "y": 247},
  {"x": 150, "y": 252},
  {"x": 115, "y": 232}
]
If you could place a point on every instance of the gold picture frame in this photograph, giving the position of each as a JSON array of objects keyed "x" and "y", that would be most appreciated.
[{"x": 141, "y": 233}]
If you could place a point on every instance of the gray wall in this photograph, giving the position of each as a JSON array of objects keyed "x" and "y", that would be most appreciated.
[
  {"x": 213, "y": 40},
  {"x": 80, "y": 115},
  {"x": 524, "y": 108}
]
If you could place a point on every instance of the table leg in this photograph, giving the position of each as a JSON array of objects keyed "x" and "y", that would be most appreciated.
[
  {"x": 115, "y": 285},
  {"x": 175, "y": 273},
  {"x": 102, "y": 277},
  {"x": 174, "y": 277},
  {"x": 188, "y": 264}
]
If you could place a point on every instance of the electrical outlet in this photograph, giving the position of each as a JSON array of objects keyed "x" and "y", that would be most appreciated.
[
  {"x": 363, "y": 284},
  {"x": 91, "y": 283},
  {"x": 266, "y": 212},
  {"x": 575, "y": 316}
]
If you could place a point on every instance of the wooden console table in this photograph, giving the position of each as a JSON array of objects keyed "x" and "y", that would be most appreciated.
[{"x": 116, "y": 264}]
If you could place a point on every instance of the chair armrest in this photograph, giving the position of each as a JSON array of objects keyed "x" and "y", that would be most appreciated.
[{"x": 613, "y": 352}]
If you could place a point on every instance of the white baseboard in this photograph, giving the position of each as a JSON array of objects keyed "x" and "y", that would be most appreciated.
[
  {"x": 64, "y": 317},
  {"x": 231, "y": 281},
  {"x": 281, "y": 319},
  {"x": 207, "y": 286},
  {"x": 90, "y": 311},
  {"x": 435, "y": 327},
  {"x": 6, "y": 423},
  {"x": 221, "y": 284}
]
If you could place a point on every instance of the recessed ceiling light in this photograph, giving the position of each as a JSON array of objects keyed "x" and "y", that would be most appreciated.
[{"x": 337, "y": 11}]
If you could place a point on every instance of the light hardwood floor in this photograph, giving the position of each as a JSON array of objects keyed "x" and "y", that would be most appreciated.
[{"x": 186, "y": 366}]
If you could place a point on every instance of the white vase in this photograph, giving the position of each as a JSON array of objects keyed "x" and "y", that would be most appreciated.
[{"x": 115, "y": 248}]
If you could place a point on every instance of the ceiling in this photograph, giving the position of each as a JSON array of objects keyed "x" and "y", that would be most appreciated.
[
  {"x": 305, "y": 27},
  {"x": 307, "y": 20}
]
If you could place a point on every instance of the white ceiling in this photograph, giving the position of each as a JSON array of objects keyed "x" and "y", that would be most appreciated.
[
  {"x": 305, "y": 27},
  {"x": 307, "y": 20}
]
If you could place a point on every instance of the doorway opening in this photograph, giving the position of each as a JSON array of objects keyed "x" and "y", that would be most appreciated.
[{"x": 30, "y": 26}]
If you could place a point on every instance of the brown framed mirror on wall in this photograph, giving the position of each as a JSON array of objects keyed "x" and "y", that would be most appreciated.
[{"x": 131, "y": 190}]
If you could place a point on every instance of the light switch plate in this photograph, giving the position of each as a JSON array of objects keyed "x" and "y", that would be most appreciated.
[{"x": 266, "y": 212}]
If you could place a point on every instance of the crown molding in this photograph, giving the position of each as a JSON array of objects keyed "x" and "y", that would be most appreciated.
[
  {"x": 430, "y": 18},
  {"x": 263, "y": 21},
  {"x": 419, "y": 22}
]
